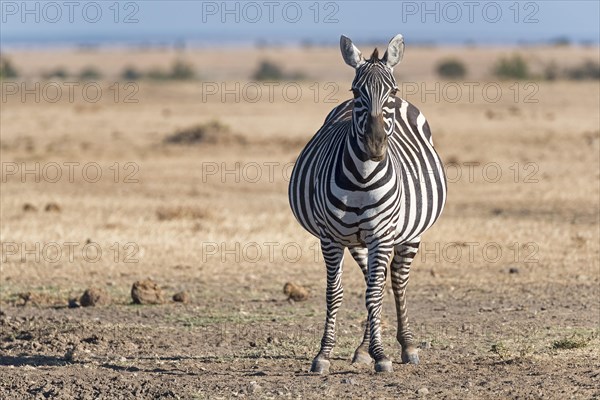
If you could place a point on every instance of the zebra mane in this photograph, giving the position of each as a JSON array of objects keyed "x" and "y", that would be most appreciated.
[{"x": 374, "y": 56}]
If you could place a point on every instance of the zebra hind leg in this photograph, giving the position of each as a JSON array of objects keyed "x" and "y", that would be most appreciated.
[
  {"x": 403, "y": 256},
  {"x": 361, "y": 354},
  {"x": 334, "y": 258}
]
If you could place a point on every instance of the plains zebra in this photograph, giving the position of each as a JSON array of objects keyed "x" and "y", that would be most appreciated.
[{"x": 371, "y": 181}]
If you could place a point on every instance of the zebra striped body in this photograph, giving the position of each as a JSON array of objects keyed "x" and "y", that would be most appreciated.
[
  {"x": 370, "y": 181},
  {"x": 354, "y": 204}
]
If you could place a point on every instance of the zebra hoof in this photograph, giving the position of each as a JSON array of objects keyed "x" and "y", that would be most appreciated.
[
  {"x": 384, "y": 365},
  {"x": 361, "y": 357},
  {"x": 320, "y": 366},
  {"x": 410, "y": 356}
]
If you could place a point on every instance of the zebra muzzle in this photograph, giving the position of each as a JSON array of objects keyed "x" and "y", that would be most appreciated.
[{"x": 376, "y": 139}]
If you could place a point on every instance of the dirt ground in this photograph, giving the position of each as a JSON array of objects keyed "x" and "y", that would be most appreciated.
[{"x": 503, "y": 298}]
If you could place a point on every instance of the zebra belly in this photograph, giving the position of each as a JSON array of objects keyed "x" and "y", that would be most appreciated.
[
  {"x": 421, "y": 204},
  {"x": 364, "y": 218}
]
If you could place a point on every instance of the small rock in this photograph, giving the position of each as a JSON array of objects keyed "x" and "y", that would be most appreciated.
[
  {"x": 73, "y": 354},
  {"x": 254, "y": 387},
  {"x": 29, "y": 207},
  {"x": 94, "y": 297},
  {"x": 181, "y": 297},
  {"x": 52, "y": 207},
  {"x": 350, "y": 381},
  {"x": 513, "y": 270},
  {"x": 147, "y": 292},
  {"x": 295, "y": 292},
  {"x": 425, "y": 345},
  {"x": 273, "y": 340},
  {"x": 423, "y": 391}
]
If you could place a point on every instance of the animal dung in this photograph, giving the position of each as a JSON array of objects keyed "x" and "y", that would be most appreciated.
[
  {"x": 295, "y": 292},
  {"x": 147, "y": 292},
  {"x": 181, "y": 297},
  {"x": 94, "y": 297},
  {"x": 52, "y": 207},
  {"x": 29, "y": 207}
]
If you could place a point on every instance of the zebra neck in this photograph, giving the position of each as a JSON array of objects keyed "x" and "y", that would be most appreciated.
[{"x": 357, "y": 163}]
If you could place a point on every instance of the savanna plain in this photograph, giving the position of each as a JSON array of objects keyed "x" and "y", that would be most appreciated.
[{"x": 185, "y": 182}]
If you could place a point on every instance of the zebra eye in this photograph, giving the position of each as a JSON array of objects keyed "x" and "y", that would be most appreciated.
[
  {"x": 355, "y": 93},
  {"x": 394, "y": 91}
]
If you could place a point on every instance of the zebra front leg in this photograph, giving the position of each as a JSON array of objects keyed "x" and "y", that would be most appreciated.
[
  {"x": 333, "y": 254},
  {"x": 403, "y": 256},
  {"x": 379, "y": 256},
  {"x": 361, "y": 354}
]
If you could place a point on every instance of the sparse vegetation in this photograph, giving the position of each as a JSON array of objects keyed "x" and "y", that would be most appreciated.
[
  {"x": 131, "y": 74},
  {"x": 551, "y": 72},
  {"x": 157, "y": 75},
  {"x": 269, "y": 71},
  {"x": 58, "y": 73},
  {"x": 587, "y": 70},
  {"x": 210, "y": 132},
  {"x": 451, "y": 69},
  {"x": 181, "y": 212},
  {"x": 180, "y": 70},
  {"x": 7, "y": 70},
  {"x": 500, "y": 350},
  {"x": 561, "y": 41},
  {"x": 572, "y": 342},
  {"x": 514, "y": 67},
  {"x": 89, "y": 74}
]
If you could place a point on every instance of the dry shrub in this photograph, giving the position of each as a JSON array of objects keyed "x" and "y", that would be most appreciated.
[
  {"x": 181, "y": 212},
  {"x": 212, "y": 132}
]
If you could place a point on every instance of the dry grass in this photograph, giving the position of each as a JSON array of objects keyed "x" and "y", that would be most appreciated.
[{"x": 192, "y": 227}]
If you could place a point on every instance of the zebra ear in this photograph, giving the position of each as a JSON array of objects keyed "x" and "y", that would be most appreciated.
[
  {"x": 352, "y": 56},
  {"x": 395, "y": 51}
]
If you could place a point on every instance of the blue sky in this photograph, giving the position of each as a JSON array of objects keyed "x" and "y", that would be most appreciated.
[{"x": 243, "y": 22}]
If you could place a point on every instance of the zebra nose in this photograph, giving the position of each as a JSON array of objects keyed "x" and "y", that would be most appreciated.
[{"x": 375, "y": 138}]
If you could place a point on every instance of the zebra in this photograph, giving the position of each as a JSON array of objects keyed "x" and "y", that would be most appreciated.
[{"x": 370, "y": 181}]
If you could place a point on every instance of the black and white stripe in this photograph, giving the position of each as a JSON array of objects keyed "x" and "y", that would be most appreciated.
[{"x": 371, "y": 181}]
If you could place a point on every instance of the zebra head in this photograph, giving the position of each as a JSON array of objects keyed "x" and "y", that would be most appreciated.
[{"x": 374, "y": 88}]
